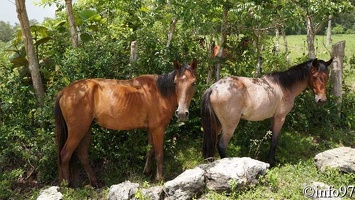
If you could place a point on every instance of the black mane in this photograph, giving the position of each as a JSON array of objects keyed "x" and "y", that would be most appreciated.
[
  {"x": 165, "y": 82},
  {"x": 294, "y": 74}
]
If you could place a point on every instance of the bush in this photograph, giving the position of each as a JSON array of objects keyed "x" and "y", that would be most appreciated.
[{"x": 338, "y": 29}]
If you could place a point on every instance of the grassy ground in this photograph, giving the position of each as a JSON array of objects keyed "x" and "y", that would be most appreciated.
[{"x": 296, "y": 150}]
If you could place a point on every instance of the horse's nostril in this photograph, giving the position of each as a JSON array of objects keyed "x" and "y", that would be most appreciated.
[
  {"x": 187, "y": 113},
  {"x": 176, "y": 113}
]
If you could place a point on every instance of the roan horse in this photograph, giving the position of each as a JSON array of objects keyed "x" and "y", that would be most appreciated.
[
  {"x": 147, "y": 101},
  {"x": 255, "y": 99}
]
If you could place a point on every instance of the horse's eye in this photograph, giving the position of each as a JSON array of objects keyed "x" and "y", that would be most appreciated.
[{"x": 314, "y": 78}]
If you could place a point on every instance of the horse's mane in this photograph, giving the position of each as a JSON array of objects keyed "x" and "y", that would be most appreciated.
[
  {"x": 294, "y": 74},
  {"x": 165, "y": 82}
]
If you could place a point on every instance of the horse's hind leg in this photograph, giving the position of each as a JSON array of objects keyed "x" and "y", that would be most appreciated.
[
  {"x": 83, "y": 154},
  {"x": 228, "y": 113},
  {"x": 66, "y": 155},
  {"x": 228, "y": 129},
  {"x": 75, "y": 135}
]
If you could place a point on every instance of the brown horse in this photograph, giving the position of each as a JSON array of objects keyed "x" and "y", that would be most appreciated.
[
  {"x": 147, "y": 101},
  {"x": 255, "y": 99}
]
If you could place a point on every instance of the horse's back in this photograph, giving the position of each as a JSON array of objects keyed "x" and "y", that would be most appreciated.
[
  {"x": 114, "y": 104},
  {"x": 252, "y": 99}
]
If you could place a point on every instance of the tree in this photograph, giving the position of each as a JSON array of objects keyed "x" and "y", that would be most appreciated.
[
  {"x": 317, "y": 14},
  {"x": 72, "y": 24},
  {"x": 6, "y": 31},
  {"x": 329, "y": 30},
  {"x": 30, "y": 50},
  {"x": 223, "y": 38}
]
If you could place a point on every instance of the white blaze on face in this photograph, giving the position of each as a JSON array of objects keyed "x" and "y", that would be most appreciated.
[{"x": 182, "y": 109}]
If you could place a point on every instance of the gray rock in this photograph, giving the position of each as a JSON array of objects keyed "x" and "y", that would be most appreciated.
[
  {"x": 187, "y": 185},
  {"x": 222, "y": 174},
  {"x": 123, "y": 191},
  {"x": 153, "y": 193},
  {"x": 342, "y": 158},
  {"x": 219, "y": 176},
  {"x": 51, "y": 193}
]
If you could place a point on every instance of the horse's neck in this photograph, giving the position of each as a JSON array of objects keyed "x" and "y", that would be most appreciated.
[{"x": 298, "y": 88}]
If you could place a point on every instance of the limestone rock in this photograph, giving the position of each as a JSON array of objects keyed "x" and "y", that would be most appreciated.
[
  {"x": 51, "y": 193},
  {"x": 342, "y": 158},
  {"x": 222, "y": 174},
  {"x": 186, "y": 185},
  {"x": 123, "y": 191}
]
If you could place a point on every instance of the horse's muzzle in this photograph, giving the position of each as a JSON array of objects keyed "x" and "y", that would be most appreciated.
[
  {"x": 320, "y": 99},
  {"x": 182, "y": 116}
]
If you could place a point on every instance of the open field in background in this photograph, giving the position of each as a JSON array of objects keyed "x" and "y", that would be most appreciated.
[{"x": 297, "y": 45}]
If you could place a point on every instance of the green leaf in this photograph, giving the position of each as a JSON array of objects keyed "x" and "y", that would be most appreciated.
[
  {"x": 19, "y": 61},
  {"x": 86, "y": 14},
  {"x": 42, "y": 41},
  {"x": 61, "y": 23},
  {"x": 95, "y": 18},
  {"x": 85, "y": 37}
]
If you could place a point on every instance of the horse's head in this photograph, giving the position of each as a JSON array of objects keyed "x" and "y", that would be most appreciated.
[
  {"x": 318, "y": 78},
  {"x": 184, "y": 80}
]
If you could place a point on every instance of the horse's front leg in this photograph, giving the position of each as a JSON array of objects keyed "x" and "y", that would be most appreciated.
[
  {"x": 157, "y": 135},
  {"x": 149, "y": 157},
  {"x": 276, "y": 125}
]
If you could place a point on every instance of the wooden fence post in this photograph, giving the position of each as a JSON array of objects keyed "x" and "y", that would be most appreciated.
[
  {"x": 338, "y": 53},
  {"x": 133, "y": 57}
]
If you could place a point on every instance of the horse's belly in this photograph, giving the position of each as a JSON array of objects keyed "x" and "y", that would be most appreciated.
[
  {"x": 259, "y": 112},
  {"x": 122, "y": 122}
]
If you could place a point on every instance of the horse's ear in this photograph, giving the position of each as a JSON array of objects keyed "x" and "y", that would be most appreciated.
[
  {"x": 194, "y": 64},
  {"x": 176, "y": 64},
  {"x": 329, "y": 62},
  {"x": 315, "y": 63}
]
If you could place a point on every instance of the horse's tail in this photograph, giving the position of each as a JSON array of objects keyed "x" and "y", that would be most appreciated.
[
  {"x": 210, "y": 125},
  {"x": 61, "y": 132}
]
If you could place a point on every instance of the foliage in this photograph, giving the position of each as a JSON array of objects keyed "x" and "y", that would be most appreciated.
[
  {"x": 6, "y": 31},
  {"x": 338, "y": 29}
]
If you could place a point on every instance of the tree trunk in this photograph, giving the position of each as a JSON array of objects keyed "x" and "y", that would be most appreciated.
[
  {"x": 210, "y": 67},
  {"x": 258, "y": 52},
  {"x": 277, "y": 41},
  {"x": 30, "y": 50},
  {"x": 285, "y": 44},
  {"x": 171, "y": 32},
  {"x": 310, "y": 38},
  {"x": 222, "y": 41},
  {"x": 72, "y": 25},
  {"x": 329, "y": 30},
  {"x": 133, "y": 57},
  {"x": 338, "y": 54}
]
